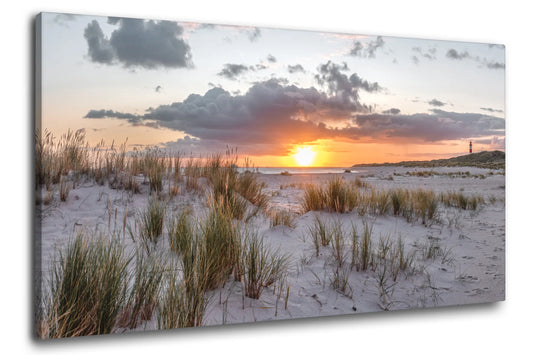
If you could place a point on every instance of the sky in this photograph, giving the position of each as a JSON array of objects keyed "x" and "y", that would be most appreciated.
[{"x": 281, "y": 97}]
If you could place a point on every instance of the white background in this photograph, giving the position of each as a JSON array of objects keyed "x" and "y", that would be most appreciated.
[{"x": 485, "y": 329}]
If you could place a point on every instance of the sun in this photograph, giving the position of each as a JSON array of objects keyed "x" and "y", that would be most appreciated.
[{"x": 304, "y": 156}]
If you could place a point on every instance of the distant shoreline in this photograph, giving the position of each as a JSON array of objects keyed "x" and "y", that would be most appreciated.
[{"x": 489, "y": 160}]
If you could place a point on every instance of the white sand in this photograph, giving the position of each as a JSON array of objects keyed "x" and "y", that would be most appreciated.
[{"x": 472, "y": 272}]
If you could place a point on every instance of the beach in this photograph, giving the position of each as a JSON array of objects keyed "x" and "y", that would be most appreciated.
[{"x": 458, "y": 257}]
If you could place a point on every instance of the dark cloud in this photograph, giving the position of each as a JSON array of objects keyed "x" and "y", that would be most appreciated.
[
  {"x": 436, "y": 103},
  {"x": 343, "y": 87},
  {"x": 492, "y": 110},
  {"x": 494, "y": 142},
  {"x": 429, "y": 54},
  {"x": 231, "y": 71},
  {"x": 139, "y": 43},
  {"x": 453, "y": 54},
  {"x": 253, "y": 34},
  {"x": 207, "y": 26},
  {"x": 111, "y": 113},
  {"x": 269, "y": 113},
  {"x": 64, "y": 19},
  {"x": 272, "y": 115},
  {"x": 495, "y": 65},
  {"x": 483, "y": 62},
  {"x": 100, "y": 49},
  {"x": 367, "y": 50},
  {"x": 271, "y": 58},
  {"x": 297, "y": 68},
  {"x": 436, "y": 126},
  {"x": 158, "y": 88},
  {"x": 391, "y": 111}
]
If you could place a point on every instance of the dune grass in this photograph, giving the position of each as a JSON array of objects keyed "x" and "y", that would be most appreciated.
[
  {"x": 64, "y": 188},
  {"x": 340, "y": 196},
  {"x": 144, "y": 292},
  {"x": 260, "y": 266},
  {"x": 185, "y": 299},
  {"x": 88, "y": 288},
  {"x": 282, "y": 218},
  {"x": 149, "y": 227},
  {"x": 180, "y": 231},
  {"x": 221, "y": 241},
  {"x": 249, "y": 188},
  {"x": 320, "y": 234}
]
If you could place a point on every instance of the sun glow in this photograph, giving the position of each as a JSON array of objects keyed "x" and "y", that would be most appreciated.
[{"x": 304, "y": 156}]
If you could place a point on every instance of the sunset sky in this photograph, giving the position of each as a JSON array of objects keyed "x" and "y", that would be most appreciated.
[{"x": 282, "y": 97}]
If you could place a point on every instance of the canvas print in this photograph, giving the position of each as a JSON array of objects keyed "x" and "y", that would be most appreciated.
[{"x": 191, "y": 175}]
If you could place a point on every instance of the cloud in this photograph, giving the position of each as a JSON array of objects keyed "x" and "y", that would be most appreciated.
[
  {"x": 269, "y": 113},
  {"x": 271, "y": 58},
  {"x": 272, "y": 115},
  {"x": 415, "y": 59},
  {"x": 232, "y": 71},
  {"x": 436, "y": 126},
  {"x": 139, "y": 43},
  {"x": 343, "y": 87},
  {"x": 492, "y": 110},
  {"x": 367, "y": 50},
  {"x": 100, "y": 49},
  {"x": 391, "y": 111},
  {"x": 297, "y": 68},
  {"x": 453, "y": 54},
  {"x": 64, "y": 19},
  {"x": 436, "y": 103},
  {"x": 158, "y": 88},
  {"x": 495, "y": 65},
  {"x": 492, "y": 143},
  {"x": 429, "y": 54},
  {"x": 111, "y": 113},
  {"x": 253, "y": 34},
  {"x": 483, "y": 62}
]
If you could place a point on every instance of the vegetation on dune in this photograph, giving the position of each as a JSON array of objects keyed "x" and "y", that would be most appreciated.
[
  {"x": 341, "y": 196},
  {"x": 88, "y": 289},
  {"x": 259, "y": 265},
  {"x": 96, "y": 287},
  {"x": 486, "y": 159}
]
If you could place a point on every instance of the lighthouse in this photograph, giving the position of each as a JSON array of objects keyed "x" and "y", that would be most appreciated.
[{"x": 470, "y": 147}]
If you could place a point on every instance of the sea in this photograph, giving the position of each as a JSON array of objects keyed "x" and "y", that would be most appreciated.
[{"x": 299, "y": 170}]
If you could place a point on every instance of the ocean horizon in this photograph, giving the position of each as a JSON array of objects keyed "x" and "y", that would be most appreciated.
[{"x": 298, "y": 170}]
